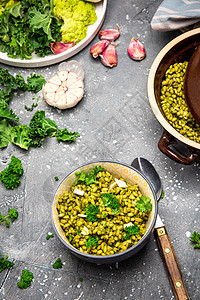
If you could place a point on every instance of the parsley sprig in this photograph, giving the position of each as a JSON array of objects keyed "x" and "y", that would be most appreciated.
[
  {"x": 195, "y": 238},
  {"x": 91, "y": 241},
  {"x": 58, "y": 264},
  {"x": 25, "y": 280},
  {"x": 88, "y": 178},
  {"x": 144, "y": 204},
  {"x": 111, "y": 201},
  {"x": 12, "y": 214},
  {"x": 91, "y": 211},
  {"x": 131, "y": 230}
]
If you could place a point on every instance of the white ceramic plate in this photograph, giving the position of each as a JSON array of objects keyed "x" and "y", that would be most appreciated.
[{"x": 52, "y": 58}]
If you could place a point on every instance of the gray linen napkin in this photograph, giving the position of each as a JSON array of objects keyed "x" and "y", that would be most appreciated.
[{"x": 176, "y": 14}]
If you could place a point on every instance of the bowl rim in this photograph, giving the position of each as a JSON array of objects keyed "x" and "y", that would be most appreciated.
[
  {"x": 108, "y": 257},
  {"x": 150, "y": 88}
]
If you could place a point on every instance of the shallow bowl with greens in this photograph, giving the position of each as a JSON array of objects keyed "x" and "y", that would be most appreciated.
[{"x": 104, "y": 212}]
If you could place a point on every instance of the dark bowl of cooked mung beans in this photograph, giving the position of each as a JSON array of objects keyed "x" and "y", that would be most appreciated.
[
  {"x": 166, "y": 91},
  {"x": 104, "y": 212}
]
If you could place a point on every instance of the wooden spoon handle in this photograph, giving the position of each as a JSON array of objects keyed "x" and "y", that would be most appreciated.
[{"x": 171, "y": 264}]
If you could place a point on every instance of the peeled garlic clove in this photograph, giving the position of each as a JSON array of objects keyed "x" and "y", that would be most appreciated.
[
  {"x": 136, "y": 49},
  {"x": 110, "y": 34},
  {"x": 109, "y": 56},
  {"x": 63, "y": 90},
  {"x": 73, "y": 66},
  {"x": 59, "y": 47},
  {"x": 98, "y": 48}
]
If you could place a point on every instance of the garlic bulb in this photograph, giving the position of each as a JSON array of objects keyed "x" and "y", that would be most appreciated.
[{"x": 63, "y": 90}]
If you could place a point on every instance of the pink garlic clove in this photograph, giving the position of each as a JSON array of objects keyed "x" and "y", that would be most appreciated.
[
  {"x": 110, "y": 34},
  {"x": 98, "y": 48},
  {"x": 109, "y": 56},
  {"x": 136, "y": 49},
  {"x": 59, "y": 47}
]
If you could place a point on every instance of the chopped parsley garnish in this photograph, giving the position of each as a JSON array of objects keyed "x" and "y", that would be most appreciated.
[
  {"x": 91, "y": 211},
  {"x": 195, "y": 238},
  {"x": 81, "y": 279},
  {"x": 49, "y": 236},
  {"x": 25, "y": 280},
  {"x": 144, "y": 204},
  {"x": 32, "y": 107},
  {"x": 4, "y": 263},
  {"x": 12, "y": 214},
  {"x": 88, "y": 178},
  {"x": 92, "y": 241},
  {"x": 58, "y": 264},
  {"x": 56, "y": 178},
  {"x": 131, "y": 230},
  {"x": 111, "y": 201}
]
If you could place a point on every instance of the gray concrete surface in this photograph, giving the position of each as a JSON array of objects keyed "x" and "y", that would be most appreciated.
[{"x": 115, "y": 121}]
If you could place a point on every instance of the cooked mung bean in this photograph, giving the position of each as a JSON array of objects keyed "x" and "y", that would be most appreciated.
[
  {"x": 174, "y": 104},
  {"x": 94, "y": 222}
]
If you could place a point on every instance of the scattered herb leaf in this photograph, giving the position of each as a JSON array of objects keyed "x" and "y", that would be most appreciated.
[
  {"x": 81, "y": 279},
  {"x": 56, "y": 178},
  {"x": 4, "y": 263},
  {"x": 32, "y": 107},
  {"x": 58, "y": 264},
  {"x": 162, "y": 194},
  {"x": 195, "y": 238},
  {"x": 25, "y": 280},
  {"x": 12, "y": 214},
  {"x": 49, "y": 236}
]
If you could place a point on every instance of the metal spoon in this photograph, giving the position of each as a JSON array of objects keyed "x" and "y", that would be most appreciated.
[{"x": 167, "y": 251}]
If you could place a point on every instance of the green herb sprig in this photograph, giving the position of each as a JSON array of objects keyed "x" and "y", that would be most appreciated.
[
  {"x": 131, "y": 230},
  {"x": 88, "y": 178},
  {"x": 144, "y": 204},
  {"x": 4, "y": 263},
  {"x": 92, "y": 241},
  {"x": 195, "y": 238},
  {"x": 91, "y": 211},
  {"x": 111, "y": 201},
  {"x": 58, "y": 264},
  {"x": 49, "y": 236},
  {"x": 25, "y": 280},
  {"x": 12, "y": 214}
]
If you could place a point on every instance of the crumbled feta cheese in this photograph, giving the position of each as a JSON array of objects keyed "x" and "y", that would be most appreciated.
[
  {"x": 85, "y": 231},
  {"x": 112, "y": 185},
  {"x": 78, "y": 192},
  {"x": 121, "y": 183},
  {"x": 82, "y": 215}
]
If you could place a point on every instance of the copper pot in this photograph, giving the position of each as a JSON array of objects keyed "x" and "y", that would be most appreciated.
[{"x": 172, "y": 143}]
